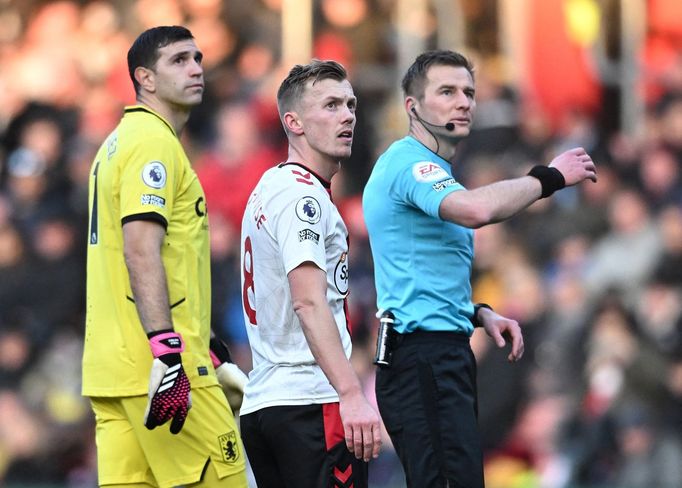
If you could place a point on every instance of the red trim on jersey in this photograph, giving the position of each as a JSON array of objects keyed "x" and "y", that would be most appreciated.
[
  {"x": 333, "y": 427},
  {"x": 344, "y": 475},
  {"x": 325, "y": 183},
  {"x": 304, "y": 178}
]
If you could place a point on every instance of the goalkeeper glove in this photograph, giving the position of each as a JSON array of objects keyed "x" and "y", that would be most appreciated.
[
  {"x": 230, "y": 377},
  {"x": 169, "y": 389}
]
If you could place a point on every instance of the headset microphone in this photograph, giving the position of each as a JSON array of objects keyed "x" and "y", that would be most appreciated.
[{"x": 449, "y": 126}]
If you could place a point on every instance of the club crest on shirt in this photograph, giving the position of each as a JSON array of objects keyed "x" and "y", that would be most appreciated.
[
  {"x": 308, "y": 210},
  {"x": 154, "y": 175},
  {"x": 229, "y": 447},
  {"x": 426, "y": 171},
  {"x": 341, "y": 274}
]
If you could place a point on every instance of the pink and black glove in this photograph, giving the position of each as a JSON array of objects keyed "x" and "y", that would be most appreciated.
[
  {"x": 231, "y": 378},
  {"x": 169, "y": 389}
]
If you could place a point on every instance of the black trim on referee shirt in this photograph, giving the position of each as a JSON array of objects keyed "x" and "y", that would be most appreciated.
[{"x": 153, "y": 216}]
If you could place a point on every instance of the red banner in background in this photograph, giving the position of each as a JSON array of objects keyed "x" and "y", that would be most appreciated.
[
  {"x": 662, "y": 54},
  {"x": 562, "y": 75}
]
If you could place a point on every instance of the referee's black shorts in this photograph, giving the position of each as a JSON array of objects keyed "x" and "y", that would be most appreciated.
[
  {"x": 428, "y": 402},
  {"x": 301, "y": 446}
]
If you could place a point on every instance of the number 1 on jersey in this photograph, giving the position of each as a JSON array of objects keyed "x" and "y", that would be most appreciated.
[
  {"x": 247, "y": 269},
  {"x": 94, "y": 234}
]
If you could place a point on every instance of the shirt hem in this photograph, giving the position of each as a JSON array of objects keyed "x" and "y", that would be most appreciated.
[{"x": 287, "y": 402}]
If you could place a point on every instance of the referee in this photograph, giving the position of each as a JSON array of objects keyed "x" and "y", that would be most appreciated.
[{"x": 420, "y": 221}]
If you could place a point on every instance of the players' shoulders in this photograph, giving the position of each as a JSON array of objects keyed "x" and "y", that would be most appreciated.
[
  {"x": 407, "y": 151},
  {"x": 397, "y": 157},
  {"x": 288, "y": 186},
  {"x": 293, "y": 180},
  {"x": 143, "y": 128},
  {"x": 153, "y": 143}
]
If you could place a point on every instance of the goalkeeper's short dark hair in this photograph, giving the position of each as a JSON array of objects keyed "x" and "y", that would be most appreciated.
[{"x": 145, "y": 50}]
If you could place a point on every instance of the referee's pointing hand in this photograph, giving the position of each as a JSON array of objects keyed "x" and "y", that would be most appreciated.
[{"x": 361, "y": 426}]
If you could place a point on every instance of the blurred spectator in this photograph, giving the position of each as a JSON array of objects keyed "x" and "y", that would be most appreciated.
[
  {"x": 624, "y": 258},
  {"x": 659, "y": 175},
  {"x": 238, "y": 158},
  {"x": 56, "y": 266},
  {"x": 669, "y": 267},
  {"x": 649, "y": 455},
  {"x": 14, "y": 275}
]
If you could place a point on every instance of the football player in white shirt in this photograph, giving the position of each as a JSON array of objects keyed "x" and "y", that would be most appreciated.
[{"x": 305, "y": 421}]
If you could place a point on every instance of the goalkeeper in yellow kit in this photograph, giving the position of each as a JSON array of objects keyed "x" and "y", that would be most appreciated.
[{"x": 147, "y": 360}]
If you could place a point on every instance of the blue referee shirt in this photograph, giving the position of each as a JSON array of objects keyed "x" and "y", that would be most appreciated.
[{"x": 422, "y": 264}]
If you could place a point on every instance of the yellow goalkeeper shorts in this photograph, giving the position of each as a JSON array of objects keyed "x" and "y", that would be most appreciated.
[{"x": 127, "y": 452}]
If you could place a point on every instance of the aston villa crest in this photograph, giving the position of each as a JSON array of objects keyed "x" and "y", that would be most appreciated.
[{"x": 229, "y": 447}]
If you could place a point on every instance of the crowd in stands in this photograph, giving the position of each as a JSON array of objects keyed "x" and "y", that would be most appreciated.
[{"x": 593, "y": 275}]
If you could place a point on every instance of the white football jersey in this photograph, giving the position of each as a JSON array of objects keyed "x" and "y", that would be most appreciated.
[{"x": 289, "y": 219}]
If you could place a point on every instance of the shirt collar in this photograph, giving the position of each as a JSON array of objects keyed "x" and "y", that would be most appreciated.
[{"x": 144, "y": 108}]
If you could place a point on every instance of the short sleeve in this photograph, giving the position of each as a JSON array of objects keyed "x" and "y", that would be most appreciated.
[
  {"x": 301, "y": 223},
  {"x": 148, "y": 182},
  {"x": 423, "y": 184}
]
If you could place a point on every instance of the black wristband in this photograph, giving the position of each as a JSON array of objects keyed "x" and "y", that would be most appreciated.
[
  {"x": 551, "y": 179},
  {"x": 219, "y": 348},
  {"x": 477, "y": 308},
  {"x": 158, "y": 332}
]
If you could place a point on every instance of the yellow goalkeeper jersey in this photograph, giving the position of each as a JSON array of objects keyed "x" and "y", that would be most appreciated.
[{"x": 141, "y": 171}]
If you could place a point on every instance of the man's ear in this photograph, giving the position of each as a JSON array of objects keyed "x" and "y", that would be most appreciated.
[
  {"x": 410, "y": 104},
  {"x": 145, "y": 77},
  {"x": 293, "y": 124}
]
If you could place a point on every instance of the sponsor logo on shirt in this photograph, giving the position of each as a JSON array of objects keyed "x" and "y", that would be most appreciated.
[
  {"x": 112, "y": 144},
  {"x": 154, "y": 175},
  {"x": 308, "y": 235},
  {"x": 341, "y": 274},
  {"x": 442, "y": 185},
  {"x": 154, "y": 200},
  {"x": 308, "y": 210},
  {"x": 427, "y": 171},
  {"x": 200, "y": 207}
]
